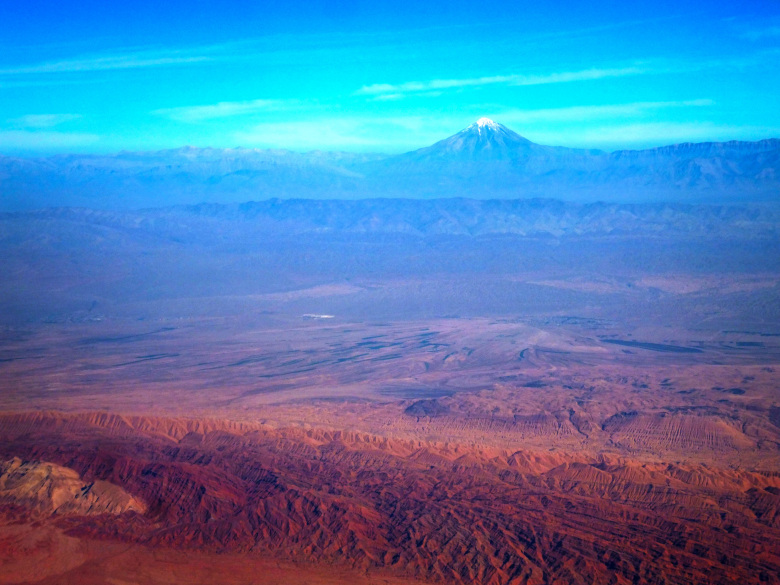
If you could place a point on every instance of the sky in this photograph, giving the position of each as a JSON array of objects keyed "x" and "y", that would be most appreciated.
[{"x": 378, "y": 76}]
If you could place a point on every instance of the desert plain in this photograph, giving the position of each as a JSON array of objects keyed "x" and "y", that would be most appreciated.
[{"x": 384, "y": 407}]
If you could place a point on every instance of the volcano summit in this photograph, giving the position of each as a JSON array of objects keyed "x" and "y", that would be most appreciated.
[{"x": 481, "y": 141}]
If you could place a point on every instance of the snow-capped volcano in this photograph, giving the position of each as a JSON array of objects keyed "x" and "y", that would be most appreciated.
[
  {"x": 482, "y": 140},
  {"x": 486, "y": 123}
]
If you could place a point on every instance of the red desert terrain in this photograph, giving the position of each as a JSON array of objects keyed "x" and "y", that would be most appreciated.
[
  {"x": 465, "y": 451},
  {"x": 391, "y": 392}
]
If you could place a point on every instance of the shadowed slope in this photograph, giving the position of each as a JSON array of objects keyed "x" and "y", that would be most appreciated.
[{"x": 438, "y": 513}]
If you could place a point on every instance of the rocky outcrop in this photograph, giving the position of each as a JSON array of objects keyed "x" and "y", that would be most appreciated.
[
  {"x": 49, "y": 489},
  {"x": 433, "y": 512}
]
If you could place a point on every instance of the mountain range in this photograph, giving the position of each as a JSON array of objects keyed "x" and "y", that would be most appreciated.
[{"x": 486, "y": 160}]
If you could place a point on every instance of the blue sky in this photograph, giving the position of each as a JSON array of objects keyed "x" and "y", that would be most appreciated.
[{"x": 383, "y": 76}]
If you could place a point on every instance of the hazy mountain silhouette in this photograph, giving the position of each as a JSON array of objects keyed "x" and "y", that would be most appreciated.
[
  {"x": 486, "y": 160},
  {"x": 481, "y": 141}
]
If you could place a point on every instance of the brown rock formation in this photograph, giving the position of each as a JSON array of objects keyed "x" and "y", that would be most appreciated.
[
  {"x": 410, "y": 509},
  {"x": 48, "y": 489}
]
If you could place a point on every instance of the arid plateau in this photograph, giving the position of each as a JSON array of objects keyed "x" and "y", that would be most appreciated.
[{"x": 409, "y": 393}]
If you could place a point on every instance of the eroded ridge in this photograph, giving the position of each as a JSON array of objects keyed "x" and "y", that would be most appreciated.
[{"x": 427, "y": 511}]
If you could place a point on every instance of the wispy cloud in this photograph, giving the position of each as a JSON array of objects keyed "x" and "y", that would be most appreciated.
[
  {"x": 650, "y": 134},
  {"x": 134, "y": 60},
  {"x": 225, "y": 109},
  {"x": 515, "y": 79},
  {"x": 274, "y": 47},
  {"x": 336, "y": 133},
  {"x": 387, "y": 97},
  {"x": 609, "y": 111},
  {"x": 44, "y": 140},
  {"x": 390, "y": 91},
  {"x": 758, "y": 34},
  {"x": 395, "y": 133},
  {"x": 43, "y": 120},
  {"x": 42, "y": 83}
]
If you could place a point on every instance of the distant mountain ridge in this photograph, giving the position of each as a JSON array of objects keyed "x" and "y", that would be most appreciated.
[
  {"x": 710, "y": 148},
  {"x": 293, "y": 218},
  {"x": 60, "y": 261},
  {"x": 486, "y": 160}
]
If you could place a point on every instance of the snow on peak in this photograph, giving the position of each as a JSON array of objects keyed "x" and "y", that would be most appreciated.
[
  {"x": 483, "y": 123},
  {"x": 486, "y": 122}
]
